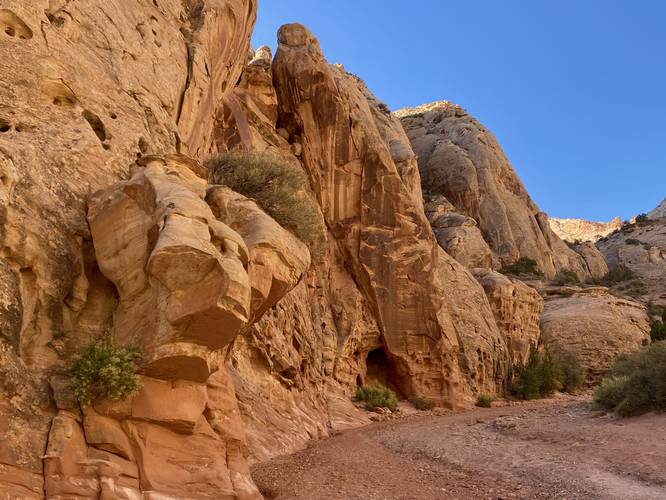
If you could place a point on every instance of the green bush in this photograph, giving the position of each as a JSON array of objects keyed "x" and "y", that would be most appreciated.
[
  {"x": 641, "y": 218},
  {"x": 377, "y": 396},
  {"x": 571, "y": 373},
  {"x": 540, "y": 377},
  {"x": 422, "y": 403},
  {"x": 632, "y": 241},
  {"x": 616, "y": 275},
  {"x": 636, "y": 383},
  {"x": 658, "y": 329},
  {"x": 104, "y": 370},
  {"x": 276, "y": 186},
  {"x": 565, "y": 277},
  {"x": 524, "y": 265},
  {"x": 484, "y": 401}
]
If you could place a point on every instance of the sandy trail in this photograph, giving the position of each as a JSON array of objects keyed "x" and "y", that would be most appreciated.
[{"x": 556, "y": 448}]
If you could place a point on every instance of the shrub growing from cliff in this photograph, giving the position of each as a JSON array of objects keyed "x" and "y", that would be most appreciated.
[
  {"x": 636, "y": 383},
  {"x": 276, "y": 186},
  {"x": 377, "y": 396},
  {"x": 565, "y": 277},
  {"x": 105, "y": 371},
  {"x": 632, "y": 241},
  {"x": 524, "y": 265}
]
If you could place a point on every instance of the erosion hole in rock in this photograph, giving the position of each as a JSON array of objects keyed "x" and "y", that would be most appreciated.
[
  {"x": 13, "y": 26},
  {"x": 5, "y": 126},
  {"x": 59, "y": 93},
  {"x": 96, "y": 124},
  {"x": 380, "y": 370}
]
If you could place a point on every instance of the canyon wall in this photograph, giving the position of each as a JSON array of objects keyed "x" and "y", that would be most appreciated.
[{"x": 253, "y": 342}]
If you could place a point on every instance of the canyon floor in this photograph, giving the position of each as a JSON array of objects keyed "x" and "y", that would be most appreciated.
[{"x": 554, "y": 448}]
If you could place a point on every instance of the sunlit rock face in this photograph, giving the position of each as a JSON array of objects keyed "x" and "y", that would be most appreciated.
[
  {"x": 370, "y": 209},
  {"x": 462, "y": 161}
]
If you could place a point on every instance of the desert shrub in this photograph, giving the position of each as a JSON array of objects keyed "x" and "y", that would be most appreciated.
[
  {"x": 571, "y": 373},
  {"x": 377, "y": 396},
  {"x": 539, "y": 377},
  {"x": 616, "y": 275},
  {"x": 524, "y": 265},
  {"x": 658, "y": 329},
  {"x": 104, "y": 370},
  {"x": 484, "y": 401},
  {"x": 641, "y": 218},
  {"x": 422, "y": 403},
  {"x": 565, "y": 277},
  {"x": 276, "y": 186},
  {"x": 632, "y": 241},
  {"x": 636, "y": 383}
]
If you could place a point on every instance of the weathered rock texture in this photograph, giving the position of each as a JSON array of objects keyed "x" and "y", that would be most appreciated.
[
  {"x": 642, "y": 248},
  {"x": 369, "y": 209},
  {"x": 461, "y": 160},
  {"x": 594, "y": 325},
  {"x": 574, "y": 230},
  {"x": 253, "y": 345},
  {"x": 517, "y": 310},
  {"x": 85, "y": 88}
]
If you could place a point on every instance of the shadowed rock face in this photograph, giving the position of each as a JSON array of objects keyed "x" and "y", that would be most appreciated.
[
  {"x": 461, "y": 160},
  {"x": 370, "y": 210}
]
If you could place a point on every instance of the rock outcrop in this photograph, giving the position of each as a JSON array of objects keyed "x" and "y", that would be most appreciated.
[
  {"x": 369, "y": 209},
  {"x": 641, "y": 247},
  {"x": 577, "y": 230},
  {"x": 659, "y": 211},
  {"x": 253, "y": 343},
  {"x": 594, "y": 325},
  {"x": 594, "y": 260},
  {"x": 461, "y": 160},
  {"x": 517, "y": 310}
]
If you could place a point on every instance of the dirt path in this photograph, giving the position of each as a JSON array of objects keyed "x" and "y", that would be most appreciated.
[{"x": 558, "y": 448}]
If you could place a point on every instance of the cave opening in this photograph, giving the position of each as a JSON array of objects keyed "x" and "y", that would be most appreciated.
[{"x": 381, "y": 370}]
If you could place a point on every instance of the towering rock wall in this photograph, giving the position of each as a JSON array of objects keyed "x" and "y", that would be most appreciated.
[
  {"x": 85, "y": 89},
  {"x": 460, "y": 160}
]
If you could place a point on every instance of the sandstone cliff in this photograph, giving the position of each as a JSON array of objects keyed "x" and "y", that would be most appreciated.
[
  {"x": 573, "y": 230},
  {"x": 253, "y": 343},
  {"x": 460, "y": 160}
]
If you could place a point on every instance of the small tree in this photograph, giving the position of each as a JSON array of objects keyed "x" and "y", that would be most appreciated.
[
  {"x": 523, "y": 265},
  {"x": 539, "y": 377},
  {"x": 104, "y": 370}
]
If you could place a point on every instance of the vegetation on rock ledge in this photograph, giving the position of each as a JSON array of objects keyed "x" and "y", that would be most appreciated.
[
  {"x": 524, "y": 265},
  {"x": 276, "y": 186},
  {"x": 105, "y": 371}
]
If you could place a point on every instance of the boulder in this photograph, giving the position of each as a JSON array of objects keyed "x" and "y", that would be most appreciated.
[{"x": 595, "y": 326}]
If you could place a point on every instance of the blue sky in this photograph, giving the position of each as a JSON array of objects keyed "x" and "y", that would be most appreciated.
[{"x": 574, "y": 90}]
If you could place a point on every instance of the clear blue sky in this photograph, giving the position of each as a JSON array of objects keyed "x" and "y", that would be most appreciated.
[{"x": 574, "y": 90}]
